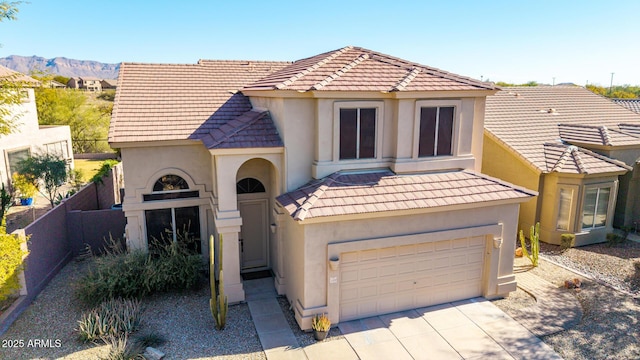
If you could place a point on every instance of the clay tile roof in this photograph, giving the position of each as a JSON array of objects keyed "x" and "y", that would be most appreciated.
[
  {"x": 575, "y": 160},
  {"x": 524, "y": 119},
  {"x": 631, "y": 104},
  {"x": 253, "y": 127},
  {"x": 184, "y": 101},
  {"x": 596, "y": 135},
  {"x": 358, "y": 69},
  {"x": 14, "y": 76},
  {"x": 357, "y": 193}
]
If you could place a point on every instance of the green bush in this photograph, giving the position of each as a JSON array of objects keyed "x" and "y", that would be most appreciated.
[
  {"x": 136, "y": 274},
  {"x": 567, "y": 241},
  {"x": 11, "y": 262},
  {"x": 106, "y": 166},
  {"x": 113, "y": 317},
  {"x": 614, "y": 239}
]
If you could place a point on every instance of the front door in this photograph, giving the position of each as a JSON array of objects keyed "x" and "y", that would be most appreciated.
[{"x": 254, "y": 234}]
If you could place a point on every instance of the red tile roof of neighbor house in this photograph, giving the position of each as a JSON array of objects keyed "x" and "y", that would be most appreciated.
[
  {"x": 538, "y": 123},
  {"x": 177, "y": 102},
  {"x": 157, "y": 102},
  {"x": 358, "y": 193},
  {"x": 357, "y": 69},
  {"x": 631, "y": 104}
]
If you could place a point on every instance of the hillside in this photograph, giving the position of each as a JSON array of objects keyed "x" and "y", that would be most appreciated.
[{"x": 61, "y": 66}]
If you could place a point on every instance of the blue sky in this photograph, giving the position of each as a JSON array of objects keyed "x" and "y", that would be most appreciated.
[{"x": 514, "y": 41}]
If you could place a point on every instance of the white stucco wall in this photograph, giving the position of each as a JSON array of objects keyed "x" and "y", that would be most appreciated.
[{"x": 29, "y": 135}]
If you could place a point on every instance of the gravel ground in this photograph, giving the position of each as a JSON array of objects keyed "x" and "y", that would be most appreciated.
[
  {"x": 609, "y": 328},
  {"x": 182, "y": 319},
  {"x": 610, "y": 264}
]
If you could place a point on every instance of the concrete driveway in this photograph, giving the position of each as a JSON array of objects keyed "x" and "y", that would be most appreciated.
[{"x": 470, "y": 329}]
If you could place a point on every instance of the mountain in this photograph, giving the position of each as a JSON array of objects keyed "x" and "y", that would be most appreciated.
[{"x": 61, "y": 66}]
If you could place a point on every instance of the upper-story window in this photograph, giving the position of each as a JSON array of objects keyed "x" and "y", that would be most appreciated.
[
  {"x": 357, "y": 133},
  {"x": 436, "y": 131},
  {"x": 435, "y": 128},
  {"x": 357, "y": 130}
]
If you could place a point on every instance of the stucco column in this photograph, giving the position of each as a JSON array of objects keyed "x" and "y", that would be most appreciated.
[
  {"x": 228, "y": 227},
  {"x": 279, "y": 280}
]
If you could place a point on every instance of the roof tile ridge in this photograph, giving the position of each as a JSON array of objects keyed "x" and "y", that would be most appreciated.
[
  {"x": 566, "y": 153},
  {"x": 304, "y": 208},
  {"x": 500, "y": 181},
  {"x": 575, "y": 153},
  {"x": 313, "y": 67},
  {"x": 340, "y": 72},
  {"x": 407, "y": 79},
  {"x": 235, "y": 131},
  {"x": 603, "y": 158},
  {"x": 604, "y": 134}
]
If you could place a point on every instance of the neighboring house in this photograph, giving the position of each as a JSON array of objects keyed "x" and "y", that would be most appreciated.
[
  {"x": 85, "y": 83},
  {"x": 55, "y": 84},
  {"x": 108, "y": 84},
  {"x": 30, "y": 138},
  {"x": 631, "y": 104},
  {"x": 352, "y": 175},
  {"x": 577, "y": 149}
]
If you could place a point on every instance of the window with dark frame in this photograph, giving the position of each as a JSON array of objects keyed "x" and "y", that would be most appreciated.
[
  {"x": 357, "y": 133},
  {"x": 436, "y": 131}
]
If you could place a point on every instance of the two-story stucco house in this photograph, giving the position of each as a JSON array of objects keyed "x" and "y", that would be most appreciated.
[
  {"x": 28, "y": 137},
  {"x": 353, "y": 175}
]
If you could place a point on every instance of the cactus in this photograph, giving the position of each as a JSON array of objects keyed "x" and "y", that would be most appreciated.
[
  {"x": 218, "y": 301},
  {"x": 534, "y": 239}
]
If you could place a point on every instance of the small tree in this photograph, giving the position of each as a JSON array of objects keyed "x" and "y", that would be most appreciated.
[
  {"x": 6, "y": 200},
  {"x": 49, "y": 170}
]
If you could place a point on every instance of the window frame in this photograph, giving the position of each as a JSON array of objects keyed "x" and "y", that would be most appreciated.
[
  {"x": 455, "y": 133},
  {"x": 572, "y": 207},
  {"x": 607, "y": 220},
  {"x": 358, "y": 104}
]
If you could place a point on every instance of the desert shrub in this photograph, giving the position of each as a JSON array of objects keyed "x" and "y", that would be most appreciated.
[
  {"x": 137, "y": 274},
  {"x": 11, "y": 263},
  {"x": 106, "y": 166},
  {"x": 614, "y": 239},
  {"x": 121, "y": 349},
  {"x": 567, "y": 241},
  {"x": 113, "y": 317}
]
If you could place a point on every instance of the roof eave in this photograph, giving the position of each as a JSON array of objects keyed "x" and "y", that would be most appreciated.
[{"x": 381, "y": 214}]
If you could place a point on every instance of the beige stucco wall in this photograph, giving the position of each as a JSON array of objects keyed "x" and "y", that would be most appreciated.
[
  {"x": 29, "y": 135},
  {"x": 142, "y": 166},
  {"x": 549, "y": 214},
  {"x": 499, "y": 162},
  {"x": 308, "y": 127},
  {"x": 307, "y": 250}
]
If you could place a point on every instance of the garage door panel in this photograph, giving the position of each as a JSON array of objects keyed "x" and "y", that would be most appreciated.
[{"x": 378, "y": 281}]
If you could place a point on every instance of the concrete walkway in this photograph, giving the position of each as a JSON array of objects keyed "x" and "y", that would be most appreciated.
[{"x": 470, "y": 329}]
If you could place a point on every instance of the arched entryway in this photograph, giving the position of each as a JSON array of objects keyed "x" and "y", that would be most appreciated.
[{"x": 253, "y": 189}]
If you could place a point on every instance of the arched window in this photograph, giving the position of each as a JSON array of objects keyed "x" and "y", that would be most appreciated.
[
  {"x": 170, "y": 182},
  {"x": 169, "y": 187},
  {"x": 249, "y": 186}
]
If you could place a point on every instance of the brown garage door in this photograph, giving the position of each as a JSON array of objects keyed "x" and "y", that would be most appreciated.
[{"x": 385, "y": 280}]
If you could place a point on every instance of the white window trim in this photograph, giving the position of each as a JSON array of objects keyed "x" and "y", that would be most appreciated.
[
  {"x": 612, "y": 196},
  {"x": 572, "y": 207},
  {"x": 456, "y": 104},
  {"x": 378, "y": 105}
]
